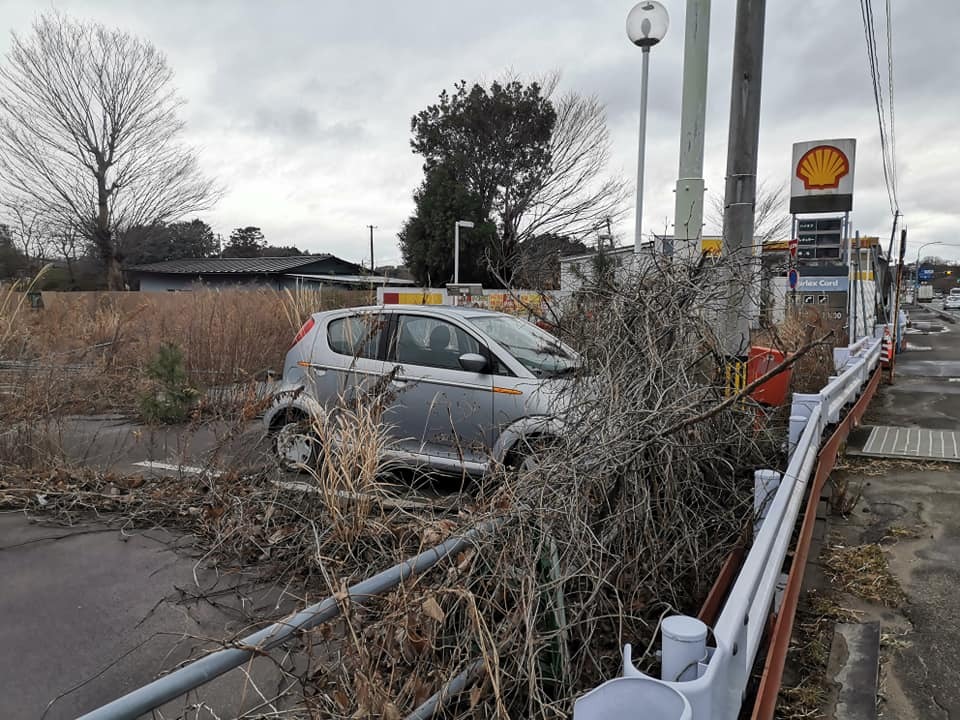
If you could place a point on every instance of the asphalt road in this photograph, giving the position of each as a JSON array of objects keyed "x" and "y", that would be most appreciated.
[
  {"x": 923, "y": 636},
  {"x": 90, "y": 613}
]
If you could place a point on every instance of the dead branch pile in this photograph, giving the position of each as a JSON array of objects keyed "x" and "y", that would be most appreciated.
[{"x": 627, "y": 515}]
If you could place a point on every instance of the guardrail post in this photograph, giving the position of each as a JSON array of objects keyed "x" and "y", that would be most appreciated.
[
  {"x": 684, "y": 643},
  {"x": 765, "y": 485},
  {"x": 800, "y": 410}
]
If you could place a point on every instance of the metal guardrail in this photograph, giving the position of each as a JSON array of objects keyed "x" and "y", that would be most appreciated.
[
  {"x": 169, "y": 687},
  {"x": 712, "y": 680}
]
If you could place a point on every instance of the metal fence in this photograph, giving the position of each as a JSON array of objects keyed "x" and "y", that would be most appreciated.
[{"x": 701, "y": 681}]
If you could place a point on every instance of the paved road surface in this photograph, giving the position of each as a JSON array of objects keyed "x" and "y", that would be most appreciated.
[
  {"x": 922, "y": 678},
  {"x": 91, "y": 613}
]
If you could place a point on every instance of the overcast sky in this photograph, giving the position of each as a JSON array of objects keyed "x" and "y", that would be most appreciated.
[{"x": 302, "y": 108}]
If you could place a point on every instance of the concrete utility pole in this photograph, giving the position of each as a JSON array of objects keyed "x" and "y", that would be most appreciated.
[
  {"x": 741, "y": 185},
  {"x": 372, "y": 227},
  {"x": 688, "y": 215}
]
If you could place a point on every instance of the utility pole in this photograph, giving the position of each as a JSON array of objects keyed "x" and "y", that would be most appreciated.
[
  {"x": 896, "y": 302},
  {"x": 372, "y": 227},
  {"x": 688, "y": 215},
  {"x": 741, "y": 184}
]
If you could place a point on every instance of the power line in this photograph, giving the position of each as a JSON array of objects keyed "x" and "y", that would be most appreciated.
[
  {"x": 887, "y": 140},
  {"x": 893, "y": 134}
]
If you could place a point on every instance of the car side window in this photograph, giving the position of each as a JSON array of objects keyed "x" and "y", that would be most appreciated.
[
  {"x": 432, "y": 342},
  {"x": 356, "y": 335}
]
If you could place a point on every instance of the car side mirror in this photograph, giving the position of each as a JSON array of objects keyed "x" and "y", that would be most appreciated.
[{"x": 473, "y": 362}]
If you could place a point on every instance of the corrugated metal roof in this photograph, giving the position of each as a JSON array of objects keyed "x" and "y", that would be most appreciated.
[
  {"x": 212, "y": 266},
  {"x": 353, "y": 279}
]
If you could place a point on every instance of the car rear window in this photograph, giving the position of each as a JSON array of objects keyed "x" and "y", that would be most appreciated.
[{"x": 356, "y": 335}]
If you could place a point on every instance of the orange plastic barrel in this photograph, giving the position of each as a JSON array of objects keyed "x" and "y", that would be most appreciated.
[{"x": 776, "y": 390}]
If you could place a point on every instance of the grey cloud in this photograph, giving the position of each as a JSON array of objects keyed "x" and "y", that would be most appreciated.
[
  {"x": 302, "y": 124},
  {"x": 330, "y": 88}
]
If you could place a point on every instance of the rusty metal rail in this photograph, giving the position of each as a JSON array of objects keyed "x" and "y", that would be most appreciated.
[{"x": 769, "y": 688}]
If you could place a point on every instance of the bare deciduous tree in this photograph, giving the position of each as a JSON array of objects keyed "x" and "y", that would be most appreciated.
[
  {"x": 89, "y": 134},
  {"x": 28, "y": 232},
  {"x": 771, "y": 219},
  {"x": 574, "y": 195}
]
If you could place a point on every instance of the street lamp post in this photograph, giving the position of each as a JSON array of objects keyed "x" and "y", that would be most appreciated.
[
  {"x": 647, "y": 23},
  {"x": 456, "y": 247},
  {"x": 916, "y": 271}
]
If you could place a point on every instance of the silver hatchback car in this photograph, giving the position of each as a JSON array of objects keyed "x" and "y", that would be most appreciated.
[{"x": 470, "y": 387}]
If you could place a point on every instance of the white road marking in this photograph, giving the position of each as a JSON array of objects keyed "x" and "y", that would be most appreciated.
[{"x": 181, "y": 469}]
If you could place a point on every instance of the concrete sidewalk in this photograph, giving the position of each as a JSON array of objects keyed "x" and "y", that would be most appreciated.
[{"x": 913, "y": 510}]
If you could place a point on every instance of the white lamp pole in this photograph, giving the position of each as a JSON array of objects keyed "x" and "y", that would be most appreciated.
[
  {"x": 916, "y": 271},
  {"x": 456, "y": 247},
  {"x": 647, "y": 23}
]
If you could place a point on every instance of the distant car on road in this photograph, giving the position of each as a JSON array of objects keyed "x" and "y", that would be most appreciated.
[
  {"x": 467, "y": 386},
  {"x": 952, "y": 302}
]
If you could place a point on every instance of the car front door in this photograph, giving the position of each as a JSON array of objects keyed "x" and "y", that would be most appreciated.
[{"x": 440, "y": 410}]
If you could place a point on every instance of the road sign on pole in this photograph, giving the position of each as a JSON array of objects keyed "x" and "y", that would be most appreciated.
[
  {"x": 792, "y": 245},
  {"x": 793, "y": 278}
]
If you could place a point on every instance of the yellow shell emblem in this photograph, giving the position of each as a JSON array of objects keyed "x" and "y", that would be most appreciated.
[{"x": 822, "y": 167}]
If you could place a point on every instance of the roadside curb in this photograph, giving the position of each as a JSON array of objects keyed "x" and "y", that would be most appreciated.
[
  {"x": 947, "y": 317},
  {"x": 854, "y": 666}
]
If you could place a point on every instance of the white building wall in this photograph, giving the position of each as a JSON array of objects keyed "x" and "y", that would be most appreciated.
[{"x": 579, "y": 270}]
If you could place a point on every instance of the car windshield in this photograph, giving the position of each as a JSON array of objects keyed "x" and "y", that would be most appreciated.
[{"x": 538, "y": 351}]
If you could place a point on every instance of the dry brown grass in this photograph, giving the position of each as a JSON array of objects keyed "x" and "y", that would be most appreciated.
[
  {"x": 89, "y": 350},
  {"x": 863, "y": 571}
]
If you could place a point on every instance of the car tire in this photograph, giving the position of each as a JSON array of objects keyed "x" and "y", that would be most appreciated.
[
  {"x": 529, "y": 453},
  {"x": 296, "y": 445}
]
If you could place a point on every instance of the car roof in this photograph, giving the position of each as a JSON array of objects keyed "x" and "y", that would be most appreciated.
[{"x": 445, "y": 310}]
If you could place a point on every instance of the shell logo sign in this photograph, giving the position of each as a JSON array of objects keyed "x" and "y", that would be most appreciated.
[
  {"x": 822, "y": 167},
  {"x": 821, "y": 178}
]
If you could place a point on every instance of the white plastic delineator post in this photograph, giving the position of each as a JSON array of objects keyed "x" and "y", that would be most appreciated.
[
  {"x": 765, "y": 486},
  {"x": 684, "y": 646},
  {"x": 800, "y": 410}
]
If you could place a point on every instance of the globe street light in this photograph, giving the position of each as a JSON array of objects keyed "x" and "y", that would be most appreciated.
[{"x": 647, "y": 23}]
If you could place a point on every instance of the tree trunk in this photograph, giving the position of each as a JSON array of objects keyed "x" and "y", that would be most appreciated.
[
  {"x": 114, "y": 274},
  {"x": 104, "y": 236}
]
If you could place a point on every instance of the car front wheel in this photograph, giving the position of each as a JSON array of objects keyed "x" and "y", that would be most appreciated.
[{"x": 296, "y": 446}]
